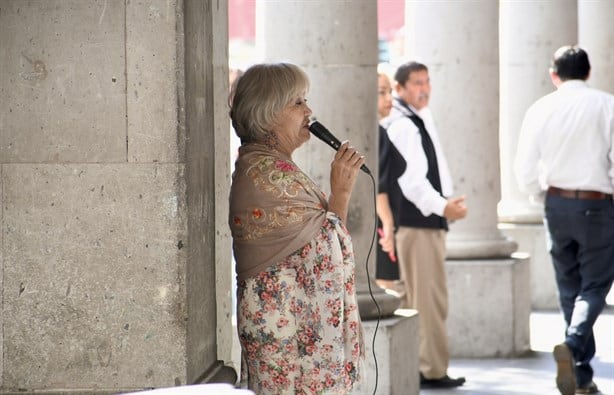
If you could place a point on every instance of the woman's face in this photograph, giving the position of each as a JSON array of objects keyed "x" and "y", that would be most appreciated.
[
  {"x": 384, "y": 96},
  {"x": 292, "y": 125}
]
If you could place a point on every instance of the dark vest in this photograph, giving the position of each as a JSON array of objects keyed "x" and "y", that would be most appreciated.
[{"x": 405, "y": 212}]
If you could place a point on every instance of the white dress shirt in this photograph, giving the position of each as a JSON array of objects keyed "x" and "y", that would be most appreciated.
[
  {"x": 567, "y": 141},
  {"x": 405, "y": 136}
]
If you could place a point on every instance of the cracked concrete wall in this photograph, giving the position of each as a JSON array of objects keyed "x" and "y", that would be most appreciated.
[{"x": 95, "y": 242}]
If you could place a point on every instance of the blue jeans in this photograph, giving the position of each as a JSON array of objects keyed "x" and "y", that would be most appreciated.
[{"x": 582, "y": 250}]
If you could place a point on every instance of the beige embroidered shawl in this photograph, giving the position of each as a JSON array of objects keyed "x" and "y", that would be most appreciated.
[{"x": 275, "y": 209}]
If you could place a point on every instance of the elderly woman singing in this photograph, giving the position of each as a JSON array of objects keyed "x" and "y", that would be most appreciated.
[{"x": 297, "y": 314}]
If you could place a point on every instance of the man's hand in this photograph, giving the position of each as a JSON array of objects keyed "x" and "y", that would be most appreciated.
[{"x": 455, "y": 209}]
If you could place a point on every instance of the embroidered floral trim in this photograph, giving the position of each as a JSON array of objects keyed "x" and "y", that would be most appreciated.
[{"x": 283, "y": 180}]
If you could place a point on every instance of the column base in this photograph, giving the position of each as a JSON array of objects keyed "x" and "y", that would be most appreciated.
[
  {"x": 489, "y": 307},
  {"x": 525, "y": 211},
  {"x": 531, "y": 239},
  {"x": 396, "y": 349},
  {"x": 368, "y": 310},
  {"x": 479, "y": 245}
]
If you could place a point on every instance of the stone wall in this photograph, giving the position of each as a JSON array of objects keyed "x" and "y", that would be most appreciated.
[{"x": 109, "y": 216}]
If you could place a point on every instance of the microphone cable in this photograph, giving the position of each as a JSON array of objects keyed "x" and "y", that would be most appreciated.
[
  {"x": 379, "y": 312},
  {"x": 320, "y": 131}
]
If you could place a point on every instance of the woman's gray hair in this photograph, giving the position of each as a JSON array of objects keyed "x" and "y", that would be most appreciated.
[{"x": 260, "y": 94}]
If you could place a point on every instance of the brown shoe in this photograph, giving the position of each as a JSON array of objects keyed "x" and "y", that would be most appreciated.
[
  {"x": 565, "y": 372},
  {"x": 590, "y": 388}
]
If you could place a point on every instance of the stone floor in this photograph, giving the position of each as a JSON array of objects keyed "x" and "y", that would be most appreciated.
[{"x": 534, "y": 375}]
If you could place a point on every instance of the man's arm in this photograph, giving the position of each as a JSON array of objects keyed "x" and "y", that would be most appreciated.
[
  {"x": 527, "y": 157},
  {"x": 416, "y": 188}
]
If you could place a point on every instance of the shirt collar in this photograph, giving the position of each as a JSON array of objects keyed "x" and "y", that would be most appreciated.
[
  {"x": 405, "y": 108},
  {"x": 573, "y": 84}
]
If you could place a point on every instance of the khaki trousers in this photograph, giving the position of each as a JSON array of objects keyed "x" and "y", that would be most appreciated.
[{"x": 421, "y": 254}]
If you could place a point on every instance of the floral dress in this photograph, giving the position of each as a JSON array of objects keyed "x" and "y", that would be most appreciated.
[{"x": 298, "y": 320}]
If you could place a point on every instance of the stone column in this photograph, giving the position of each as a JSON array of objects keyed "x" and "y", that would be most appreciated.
[
  {"x": 524, "y": 79},
  {"x": 530, "y": 32},
  {"x": 204, "y": 124},
  {"x": 596, "y": 36},
  {"x": 335, "y": 42},
  {"x": 458, "y": 41},
  {"x": 461, "y": 53},
  {"x": 341, "y": 60}
]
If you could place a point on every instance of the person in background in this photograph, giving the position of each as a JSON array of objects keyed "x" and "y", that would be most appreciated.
[
  {"x": 233, "y": 77},
  {"x": 387, "y": 268},
  {"x": 566, "y": 151},
  {"x": 418, "y": 186},
  {"x": 297, "y": 313}
]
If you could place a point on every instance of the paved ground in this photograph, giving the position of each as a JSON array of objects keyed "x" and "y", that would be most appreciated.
[{"x": 535, "y": 374}]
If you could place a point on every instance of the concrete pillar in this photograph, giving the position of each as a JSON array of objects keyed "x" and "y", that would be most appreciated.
[
  {"x": 458, "y": 41},
  {"x": 203, "y": 40},
  {"x": 530, "y": 32},
  {"x": 108, "y": 220},
  {"x": 489, "y": 307},
  {"x": 462, "y": 57},
  {"x": 596, "y": 36},
  {"x": 336, "y": 44},
  {"x": 396, "y": 346}
]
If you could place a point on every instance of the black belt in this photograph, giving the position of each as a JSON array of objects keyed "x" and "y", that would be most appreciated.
[{"x": 577, "y": 194}]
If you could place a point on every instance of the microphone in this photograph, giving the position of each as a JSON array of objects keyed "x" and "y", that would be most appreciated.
[{"x": 318, "y": 130}]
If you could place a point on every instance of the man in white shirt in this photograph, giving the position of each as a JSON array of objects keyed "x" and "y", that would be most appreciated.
[
  {"x": 566, "y": 152},
  {"x": 418, "y": 187}
]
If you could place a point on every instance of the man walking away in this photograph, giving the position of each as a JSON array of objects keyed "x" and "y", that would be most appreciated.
[{"x": 566, "y": 152}]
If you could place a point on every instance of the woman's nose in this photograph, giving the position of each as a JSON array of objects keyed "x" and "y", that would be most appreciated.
[{"x": 308, "y": 111}]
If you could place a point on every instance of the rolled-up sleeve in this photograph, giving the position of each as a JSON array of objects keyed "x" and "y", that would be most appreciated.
[
  {"x": 526, "y": 162},
  {"x": 416, "y": 188}
]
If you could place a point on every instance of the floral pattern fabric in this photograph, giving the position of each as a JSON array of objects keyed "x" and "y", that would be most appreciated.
[
  {"x": 298, "y": 320},
  {"x": 278, "y": 181},
  {"x": 275, "y": 209}
]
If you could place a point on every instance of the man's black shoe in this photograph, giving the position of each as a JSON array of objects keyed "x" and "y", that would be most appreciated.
[
  {"x": 443, "y": 382},
  {"x": 590, "y": 388}
]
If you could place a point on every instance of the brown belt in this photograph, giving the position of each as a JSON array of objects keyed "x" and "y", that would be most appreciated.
[{"x": 575, "y": 194}]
